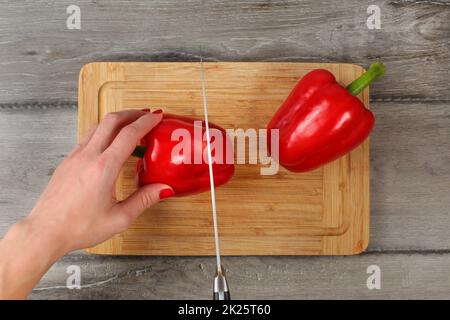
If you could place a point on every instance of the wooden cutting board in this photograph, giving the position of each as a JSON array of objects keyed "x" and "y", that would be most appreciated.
[{"x": 323, "y": 212}]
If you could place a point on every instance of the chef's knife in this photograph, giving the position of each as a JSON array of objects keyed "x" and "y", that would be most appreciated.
[{"x": 220, "y": 285}]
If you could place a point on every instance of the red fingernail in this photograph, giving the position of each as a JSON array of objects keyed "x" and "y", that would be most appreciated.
[
  {"x": 166, "y": 193},
  {"x": 157, "y": 111},
  {"x": 146, "y": 110}
]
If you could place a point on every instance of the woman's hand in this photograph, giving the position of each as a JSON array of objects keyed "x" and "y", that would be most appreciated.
[
  {"x": 80, "y": 204},
  {"x": 78, "y": 208}
]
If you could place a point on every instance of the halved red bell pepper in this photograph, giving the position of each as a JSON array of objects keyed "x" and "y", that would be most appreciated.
[
  {"x": 164, "y": 162},
  {"x": 321, "y": 120}
]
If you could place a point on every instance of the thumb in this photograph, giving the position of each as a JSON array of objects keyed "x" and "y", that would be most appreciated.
[{"x": 143, "y": 198}]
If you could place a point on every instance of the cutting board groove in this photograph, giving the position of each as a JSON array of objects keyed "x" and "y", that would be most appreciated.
[{"x": 323, "y": 212}]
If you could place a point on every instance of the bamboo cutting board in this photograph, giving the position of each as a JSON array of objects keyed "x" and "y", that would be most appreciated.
[{"x": 323, "y": 212}]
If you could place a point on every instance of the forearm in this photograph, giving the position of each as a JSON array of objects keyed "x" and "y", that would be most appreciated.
[{"x": 26, "y": 253}]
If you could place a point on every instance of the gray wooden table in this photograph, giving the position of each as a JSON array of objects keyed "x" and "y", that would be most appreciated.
[{"x": 410, "y": 184}]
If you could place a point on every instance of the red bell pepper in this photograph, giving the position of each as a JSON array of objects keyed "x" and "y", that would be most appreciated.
[
  {"x": 184, "y": 169},
  {"x": 321, "y": 121}
]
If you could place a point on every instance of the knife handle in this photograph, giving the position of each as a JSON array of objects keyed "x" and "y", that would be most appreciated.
[{"x": 226, "y": 296}]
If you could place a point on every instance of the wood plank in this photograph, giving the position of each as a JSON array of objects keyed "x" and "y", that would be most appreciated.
[
  {"x": 40, "y": 58},
  {"x": 33, "y": 141},
  {"x": 410, "y": 176},
  {"x": 403, "y": 276},
  {"x": 409, "y": 181}
]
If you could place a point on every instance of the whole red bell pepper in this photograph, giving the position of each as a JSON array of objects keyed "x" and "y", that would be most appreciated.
[
  {"x": 184, "y": 169},
  {"x": 321, "y": 120}
]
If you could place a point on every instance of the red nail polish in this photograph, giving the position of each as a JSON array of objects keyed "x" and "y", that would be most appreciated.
[
  {"x": 145, "y": 110},
  {"x": 166, "y": 193},
  {"x": 157, "y": 111}
]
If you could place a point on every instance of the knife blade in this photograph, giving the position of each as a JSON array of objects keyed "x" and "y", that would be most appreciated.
[{"x": 220, "y": 285}]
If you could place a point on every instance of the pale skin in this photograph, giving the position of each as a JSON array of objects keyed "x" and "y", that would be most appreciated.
[{"x": 78, "y": 208}]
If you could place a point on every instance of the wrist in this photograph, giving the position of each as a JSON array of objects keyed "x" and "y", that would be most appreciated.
[
  {"x": 27, "y": 253},
  {"x": 43, "y": 238}
]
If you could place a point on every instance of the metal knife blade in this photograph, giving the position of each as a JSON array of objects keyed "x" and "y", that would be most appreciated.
[{"x": 220, "y": 286}]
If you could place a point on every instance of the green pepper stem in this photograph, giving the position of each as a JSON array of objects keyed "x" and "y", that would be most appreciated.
[
  {"x": 375, "y": 71},
  {"x": 139, "y": 151}
]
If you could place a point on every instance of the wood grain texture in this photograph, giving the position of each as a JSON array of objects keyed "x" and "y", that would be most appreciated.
[
  {"x": 409, "y": 169},
  {"x": 28, "y": 156},
  {"x": 324, "y": 212},
  {"x": 403, "y": 276},
  {"x": 40, "y": 58},
  {"x": 410, "y": 180}
]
